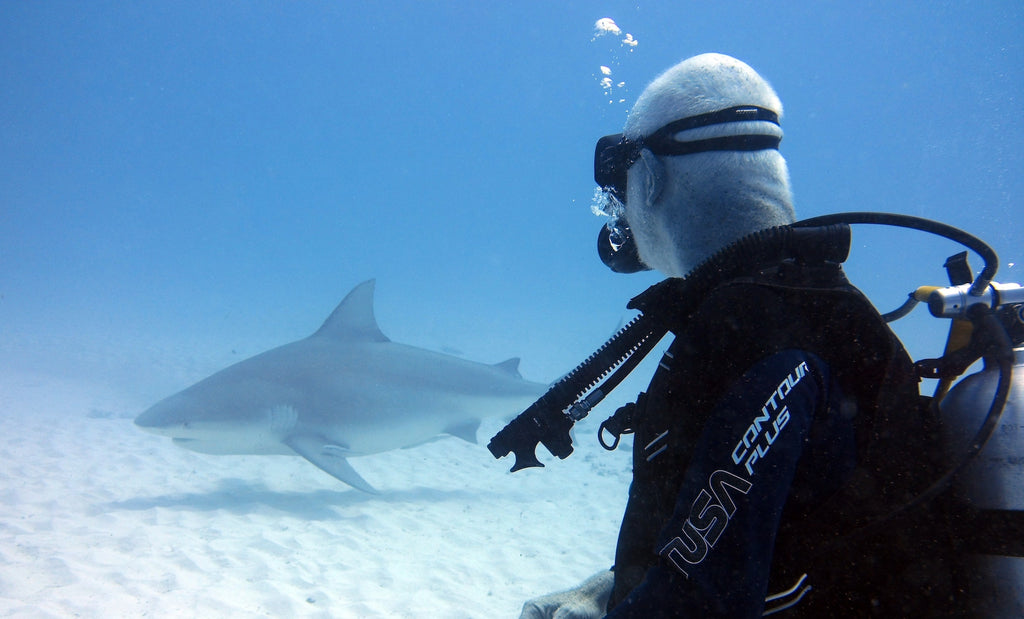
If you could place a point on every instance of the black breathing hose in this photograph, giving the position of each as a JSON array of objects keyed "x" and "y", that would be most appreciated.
[
  {"x": 549, "y": 419},
  {"x": 988, "y": 255}
]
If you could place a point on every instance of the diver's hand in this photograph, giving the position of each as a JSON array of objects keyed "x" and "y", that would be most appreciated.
[{"x": 586, "y": 601}]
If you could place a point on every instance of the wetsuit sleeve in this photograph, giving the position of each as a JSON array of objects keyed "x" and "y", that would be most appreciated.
[{"x": 716, "y": 549}]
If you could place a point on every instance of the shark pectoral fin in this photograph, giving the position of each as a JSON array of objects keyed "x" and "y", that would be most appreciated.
[
  {"x": 465, "y": 430},
  {"x": 330, "y": 459}
]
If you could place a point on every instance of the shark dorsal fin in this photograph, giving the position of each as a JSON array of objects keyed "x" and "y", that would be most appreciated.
[
  {"x": 509, "y": 366},
  {"x": 353, "y": 318}
]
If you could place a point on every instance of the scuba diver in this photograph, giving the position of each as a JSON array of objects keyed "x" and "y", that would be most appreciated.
[{"x": 784, "y": 460}]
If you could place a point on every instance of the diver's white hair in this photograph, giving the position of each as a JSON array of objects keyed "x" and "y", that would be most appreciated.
[{"x": 684, "y": 208}]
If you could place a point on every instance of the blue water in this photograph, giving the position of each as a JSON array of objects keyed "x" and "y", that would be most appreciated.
[
  {"x": 242, "y": 165},
  {"x": 190, "y": 177}
]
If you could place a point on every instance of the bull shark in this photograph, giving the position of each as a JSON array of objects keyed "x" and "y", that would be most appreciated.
[{"x": 347, "y": 390}]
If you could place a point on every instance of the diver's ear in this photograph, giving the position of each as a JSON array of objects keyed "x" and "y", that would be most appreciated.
[{"x": 650, "y": 175}]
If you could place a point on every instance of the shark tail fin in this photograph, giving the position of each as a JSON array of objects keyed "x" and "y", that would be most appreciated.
[{"x": 330, "y": 459}]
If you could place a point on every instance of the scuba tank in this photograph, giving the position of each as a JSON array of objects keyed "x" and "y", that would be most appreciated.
[{"x": 991, "y": 487}]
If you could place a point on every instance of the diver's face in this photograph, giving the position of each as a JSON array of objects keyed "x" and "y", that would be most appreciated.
[
  {"x": 629, "y": 172},
  {"x": 645, "y": 213}
]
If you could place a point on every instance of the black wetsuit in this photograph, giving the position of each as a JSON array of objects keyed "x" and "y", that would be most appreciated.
[
  {"x": 784, "y": 415},
  {"x": 717, "y": 546}
]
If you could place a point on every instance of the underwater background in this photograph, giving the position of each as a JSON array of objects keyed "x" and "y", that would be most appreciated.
[{"x": 186, "y": 184}]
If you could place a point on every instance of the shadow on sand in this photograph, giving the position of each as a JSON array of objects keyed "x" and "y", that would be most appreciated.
[{"x": 245, "y": 497}]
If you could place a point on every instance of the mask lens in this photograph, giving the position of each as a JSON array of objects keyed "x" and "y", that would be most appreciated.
[{"x": 612, "y": 159}]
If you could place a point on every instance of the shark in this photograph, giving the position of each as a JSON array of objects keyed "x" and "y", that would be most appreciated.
[{"x": 346, "y": 390}]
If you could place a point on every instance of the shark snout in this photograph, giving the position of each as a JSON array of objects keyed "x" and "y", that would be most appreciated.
[
  {"x": 151, "y": 423},
  {"x": 163, "y": 420}
]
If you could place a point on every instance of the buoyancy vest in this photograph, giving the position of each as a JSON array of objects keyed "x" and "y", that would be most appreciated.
[{"x": 742, "y": 306}]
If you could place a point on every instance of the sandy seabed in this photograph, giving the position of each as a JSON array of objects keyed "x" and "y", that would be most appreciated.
[{"x": 98, "y": 519}]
